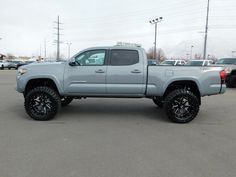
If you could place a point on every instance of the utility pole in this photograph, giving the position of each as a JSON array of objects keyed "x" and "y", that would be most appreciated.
[
  {"x": 233, "y": 53},
  {"x": 68, "y": 44},
  {"x": 206, "y": 30},
  {"x": 154, "y": 22},
  {"x": 40, "y": 51},
  {"x": 45, "y": 49},
  {"x": 58, "y": 38},
  {"x": 191, "y": 52}
]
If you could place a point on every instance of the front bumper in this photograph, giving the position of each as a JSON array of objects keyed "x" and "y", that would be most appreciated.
[{"x": 20, "y": 84}]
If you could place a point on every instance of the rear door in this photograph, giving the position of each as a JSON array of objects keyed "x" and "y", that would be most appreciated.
[{"x": 125, "y": 73}]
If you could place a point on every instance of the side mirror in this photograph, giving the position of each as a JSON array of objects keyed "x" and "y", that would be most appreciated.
[{"x": 72, "y": 63}]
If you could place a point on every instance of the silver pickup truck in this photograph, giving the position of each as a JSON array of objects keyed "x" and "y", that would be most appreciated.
[{"x": 117, "y": 72}]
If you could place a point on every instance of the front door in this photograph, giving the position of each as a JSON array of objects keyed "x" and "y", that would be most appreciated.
[{"x": 88, "y": 76}]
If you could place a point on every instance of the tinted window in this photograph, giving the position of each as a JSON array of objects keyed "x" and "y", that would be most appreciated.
[
  {"x": 195, "y": 63},
  {"x": 226, "y": 61},
  {"x": 124, "y": 57},
  {"x": 93, "y": 57},
  {"x": 168, "y": 62}
]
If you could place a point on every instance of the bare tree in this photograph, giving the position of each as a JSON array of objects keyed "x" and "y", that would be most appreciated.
[
  {"x": 160, "y": 54},
  {"x": 198, "y": 56}
]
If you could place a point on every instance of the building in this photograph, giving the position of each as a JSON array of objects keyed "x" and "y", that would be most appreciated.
[{"x": 2, "y": 56}]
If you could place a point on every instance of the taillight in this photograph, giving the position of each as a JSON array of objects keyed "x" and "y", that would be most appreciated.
[
  {"x": 223, "y": 75},
  {"x": 228, "y": 70}
]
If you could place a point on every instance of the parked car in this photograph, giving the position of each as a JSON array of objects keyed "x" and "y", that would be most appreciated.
[
  {"x": 152, "y": 62},
  {"x": 14, "y": 64},
  {"x": 230, "y": 68},
  {"x": 4, "y": 64},
  {"x": 199, "y": 62},
  {"x": 173, "y": 62},
  {"x": 117, "y": 72}
]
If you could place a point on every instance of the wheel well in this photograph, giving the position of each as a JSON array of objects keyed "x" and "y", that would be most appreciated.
[
  {"x": 40, "y": 82},
  {"x": 189, "y": 85}
]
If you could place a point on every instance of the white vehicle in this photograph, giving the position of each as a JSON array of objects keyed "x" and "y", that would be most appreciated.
[
  {"x": 173, "y": 63},
  {"x": 4, "y": 64},
  {"x": 199, "y": 62}
]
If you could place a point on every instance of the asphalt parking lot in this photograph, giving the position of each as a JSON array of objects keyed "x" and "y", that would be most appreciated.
[{"x": 116, "y": 138}]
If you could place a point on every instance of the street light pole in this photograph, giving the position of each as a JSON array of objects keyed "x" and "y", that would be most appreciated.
[
  {"x": 206, "y": 31},
  {"x": 69, "y": 44},
  {"x": 154, "y": 22},
  {"x": 191, "y": 53}
]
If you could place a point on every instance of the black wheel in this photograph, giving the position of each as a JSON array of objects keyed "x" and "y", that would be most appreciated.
[
  {"x": 158, "y": 102},
  {"x": 66, "y": 101},
  {"x": 42, "y": 103},
  {"x": 2, "y": 67},
  {"x": 9, "y": 68},
  {"x": 181, "y": 106}
]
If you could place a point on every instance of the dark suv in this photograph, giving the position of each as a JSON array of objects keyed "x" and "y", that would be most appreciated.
[{"x": 230, "y": 68}]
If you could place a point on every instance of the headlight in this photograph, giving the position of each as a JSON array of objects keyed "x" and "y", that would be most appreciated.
[{"x": 22, "y": 71}]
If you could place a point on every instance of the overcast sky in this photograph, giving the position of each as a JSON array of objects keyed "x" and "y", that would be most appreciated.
[{"x": 25, "y": 24}]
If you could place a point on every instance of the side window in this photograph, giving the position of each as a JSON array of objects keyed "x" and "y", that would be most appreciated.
[
  {"x": 89, "y": 58},
  {"x": 124, "y": 57}
]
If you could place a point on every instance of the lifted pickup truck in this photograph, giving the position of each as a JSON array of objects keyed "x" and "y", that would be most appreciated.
[{"x": 117, "y": 72}]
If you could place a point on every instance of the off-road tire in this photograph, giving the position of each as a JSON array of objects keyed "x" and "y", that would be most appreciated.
[
  {"x": 54, "y": 103},
  {"x": 158, "y": 102},
  {"x": 65, "y": 101},
  {"x": 173, "y": 107}
]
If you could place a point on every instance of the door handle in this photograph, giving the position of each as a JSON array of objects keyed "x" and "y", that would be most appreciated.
[
  {"x": 136, "y": 71},
  {"x": 100, "y": 71}
]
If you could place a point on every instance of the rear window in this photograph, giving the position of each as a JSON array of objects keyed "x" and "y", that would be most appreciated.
[{"x": 124, "y": 57}]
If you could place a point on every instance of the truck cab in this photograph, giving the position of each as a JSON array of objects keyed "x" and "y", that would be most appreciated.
[{"x": 106, "y": 71}]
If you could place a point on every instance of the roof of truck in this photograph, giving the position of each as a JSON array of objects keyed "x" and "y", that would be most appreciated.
[{"x": 114, "y": 47}]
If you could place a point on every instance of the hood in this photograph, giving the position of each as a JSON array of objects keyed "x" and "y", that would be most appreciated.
[
  {"x": 43, "y": 65},
  {"x": 40, "y": 69}
]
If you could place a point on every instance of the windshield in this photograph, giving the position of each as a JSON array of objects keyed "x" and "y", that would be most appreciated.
[
  {"x": 168, "y": 62},
  {"x": 227, "y": 61},
  {"x": 195, "y": 63}
]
